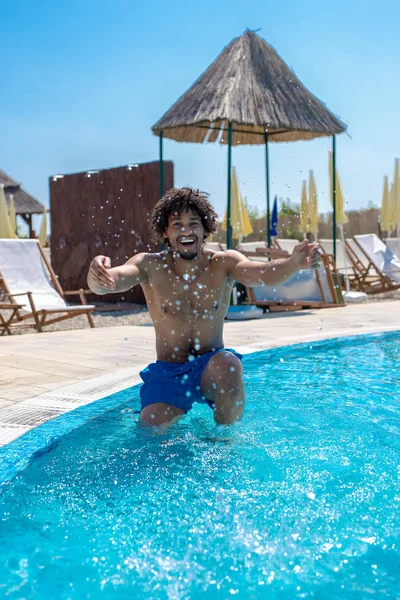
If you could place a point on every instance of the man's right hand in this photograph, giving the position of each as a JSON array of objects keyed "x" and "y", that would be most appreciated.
[{"x": 98, "y": 272}]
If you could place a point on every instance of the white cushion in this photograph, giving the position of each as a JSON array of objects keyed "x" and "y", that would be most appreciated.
[
  {"x": 380, "y": 255},
  {"x": 24, "y": 270}
]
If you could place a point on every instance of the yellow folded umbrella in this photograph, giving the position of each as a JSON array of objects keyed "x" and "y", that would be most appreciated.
[
  {"x": 12, "y": 213},
  {"x": 396, "y": 195},
  {"x": 304, "y": 220},
  {"x": 385, "y": 211},
  {"x": 240, "y": 221},
  {"x": 6, "y": 230},
  {"x": 391, "y": 208},
  {"x": 43, "y": 229},
  {"x": 313, "y": 204},
  {"x": 341, "y": 217}
]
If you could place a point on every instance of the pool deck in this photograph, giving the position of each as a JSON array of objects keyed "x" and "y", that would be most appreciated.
[{"x": 31, "y": 365}]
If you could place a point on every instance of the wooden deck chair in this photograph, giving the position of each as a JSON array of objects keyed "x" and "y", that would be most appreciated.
[
  {"x": 378, "y": 269},
  {"x": 308, "y": 289},
  {"x": 272, "y": 253},
  {"x": 27, "y": 279},
  {"x": 344, "y": 262},
  {"x": 287, "y": 244},
  {"x": 215, "y": 246},
  {"x": 6, "y": 321},
  {"x": 394, "y": 245},
  {"x": 363, "y": 277},
  {"x": 251, "y": 246}
]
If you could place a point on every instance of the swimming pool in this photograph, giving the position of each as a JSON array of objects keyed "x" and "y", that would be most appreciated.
[{"x": 301, "y": 500}]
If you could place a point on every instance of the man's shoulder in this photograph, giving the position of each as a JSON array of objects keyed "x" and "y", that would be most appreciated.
[
  {"x": 146, "y": 259},
  {"x": 226, "y": 260}
]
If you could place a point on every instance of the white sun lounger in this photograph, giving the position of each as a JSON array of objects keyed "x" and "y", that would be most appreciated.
[
  {"x": 381, "y": 257},
  {"x": 308, "y": 288},
  {"x": 27, "y": 279}
]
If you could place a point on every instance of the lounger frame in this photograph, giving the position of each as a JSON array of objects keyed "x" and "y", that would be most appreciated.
[{"x": 44, "y": 317}]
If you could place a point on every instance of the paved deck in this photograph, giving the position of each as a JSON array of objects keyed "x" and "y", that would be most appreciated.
[{"x": 31, "y": 365}]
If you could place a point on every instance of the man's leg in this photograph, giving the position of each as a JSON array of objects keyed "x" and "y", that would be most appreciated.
[
  {"x": 160, "y": 413},
  {"x": 222, "y": 383}
]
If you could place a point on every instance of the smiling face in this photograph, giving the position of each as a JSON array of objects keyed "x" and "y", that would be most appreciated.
[{"x": 185, "y": 233}]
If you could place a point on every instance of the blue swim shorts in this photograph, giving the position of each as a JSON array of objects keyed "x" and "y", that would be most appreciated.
[{"x": 177, "y": 384}]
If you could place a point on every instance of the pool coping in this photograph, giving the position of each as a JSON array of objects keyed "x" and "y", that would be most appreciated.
[{"x": 33, "y": 426}]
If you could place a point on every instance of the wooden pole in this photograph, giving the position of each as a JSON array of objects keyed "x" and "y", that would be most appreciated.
[
  {"x": 267, "y": 189},
  {"x": 161, "y": 169},
  {"x": 228, "y": 210},
  {"x": 334, "y": 194}
]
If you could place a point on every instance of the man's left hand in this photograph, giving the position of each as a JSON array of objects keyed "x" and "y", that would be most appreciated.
[{"x": 307, "y": 255}]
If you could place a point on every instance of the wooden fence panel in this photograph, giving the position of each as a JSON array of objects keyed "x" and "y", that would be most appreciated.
[{"x": 105, "y": 212}]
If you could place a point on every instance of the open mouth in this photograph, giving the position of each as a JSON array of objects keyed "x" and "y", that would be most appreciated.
[{"x": 187, "y": 242}]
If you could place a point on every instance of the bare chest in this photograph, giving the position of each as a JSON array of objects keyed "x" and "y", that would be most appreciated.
[{"x": 202, "y": 297}]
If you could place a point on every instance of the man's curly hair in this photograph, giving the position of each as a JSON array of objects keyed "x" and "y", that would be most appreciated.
[{"x": 181, "y": 200}]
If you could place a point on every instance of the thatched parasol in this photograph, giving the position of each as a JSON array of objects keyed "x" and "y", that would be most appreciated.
[
  {"x": 248, "y": 95},
  {"x": 25, "y": 204}
]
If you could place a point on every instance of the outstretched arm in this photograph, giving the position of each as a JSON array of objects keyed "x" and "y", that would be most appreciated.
[
  {"x": 253, "y": 273},
  {"x": 102, "y": 279}
]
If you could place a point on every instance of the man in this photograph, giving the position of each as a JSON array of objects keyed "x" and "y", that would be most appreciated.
[{"x": 187, "y": 290}]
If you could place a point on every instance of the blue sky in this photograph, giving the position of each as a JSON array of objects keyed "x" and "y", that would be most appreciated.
[{"x": 84, "y": 81}]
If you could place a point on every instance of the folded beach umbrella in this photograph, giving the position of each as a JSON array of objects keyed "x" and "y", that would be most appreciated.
[
  {"x": 12, "y": 213},
  {"x": 341, "y": 217},
  {"x": 240, "y": 221},
  {"x": 304, "y": 217},
  {"x": 274, "y": 219},
  {"x": 395, "y": 199},
  {"x": 313, "y": 204},
  {"x": 43, "y": 230},
  {"x": 385, "y": 210},
  {"x": 6, "y": 230},
  {"x": 391, "y": 208}
]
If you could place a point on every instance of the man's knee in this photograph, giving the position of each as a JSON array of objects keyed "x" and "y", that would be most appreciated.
[
  {"x": 226, "y": 366},
  {"x": 159, "y": 413}
]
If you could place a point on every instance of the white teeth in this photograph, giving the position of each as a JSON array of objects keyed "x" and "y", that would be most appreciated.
[{"x": 187, "y": 240}]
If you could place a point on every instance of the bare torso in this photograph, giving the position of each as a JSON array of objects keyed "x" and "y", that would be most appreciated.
[{"x": 187, "y": 310}]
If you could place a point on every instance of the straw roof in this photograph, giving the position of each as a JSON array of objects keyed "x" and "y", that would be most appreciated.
[
  {"x": 250, "y": 86},
  {"x": 7, "y": 181},
  {"x": 24, "y": 203}
]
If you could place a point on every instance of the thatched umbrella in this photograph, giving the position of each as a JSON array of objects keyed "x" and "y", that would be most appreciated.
[
  {"x": 25, "y": 204},
  {"x": 248, "y": 95}
]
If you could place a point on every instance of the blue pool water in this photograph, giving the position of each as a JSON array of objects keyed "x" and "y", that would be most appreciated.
[{"x": 301, "y": 500}]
